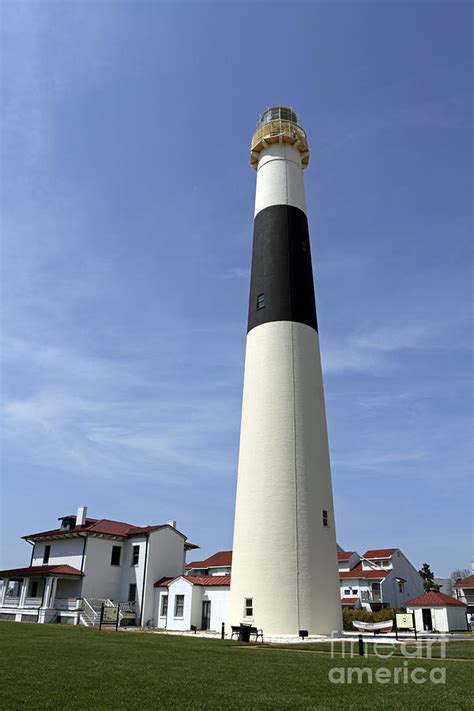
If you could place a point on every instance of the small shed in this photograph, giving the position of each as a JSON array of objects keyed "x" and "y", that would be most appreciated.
[{"x": 437, "y": 612}]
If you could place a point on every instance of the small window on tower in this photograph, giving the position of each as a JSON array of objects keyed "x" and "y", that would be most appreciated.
[
  {"x": 325, "y": 519},
  {"x": 260, "y": 301},
  {"x": 248, "y": 607}
]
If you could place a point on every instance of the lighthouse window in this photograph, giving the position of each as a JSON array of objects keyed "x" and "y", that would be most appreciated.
[
  {"x": 325, "y": 518},
  {"x": 248, "y": 607},
  {"x": 261, "y": 301}
]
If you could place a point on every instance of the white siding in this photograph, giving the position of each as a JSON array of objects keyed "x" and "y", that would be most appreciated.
[
  {"x": 180, "y": 587},
  {"x": 413, "y": 587},
  {"x": 67, "y": 551},
  {"x": 102, "y": 579},
  {"x": 166, "y": 557},
  {"x": 219, "y": 598},
  {"x": 443, "y": 619},
  {"x": 457, "y": 619},
  {"x": 284, "y": 468}
]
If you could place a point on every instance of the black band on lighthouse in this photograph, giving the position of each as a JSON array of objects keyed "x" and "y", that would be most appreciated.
[{"x": 281, "y": 285}]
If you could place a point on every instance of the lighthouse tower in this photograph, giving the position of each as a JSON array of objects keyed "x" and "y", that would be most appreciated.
[{"x": 284, "y": 566}]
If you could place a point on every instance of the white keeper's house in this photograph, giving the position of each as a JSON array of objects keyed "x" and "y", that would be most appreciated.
[
  {"x": 465, "y": 592},
  {"x": 382, "y": 577},
  {"x": 87, "y": 562}
]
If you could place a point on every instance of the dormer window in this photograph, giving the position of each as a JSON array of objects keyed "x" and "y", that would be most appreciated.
[{"x": 67, "y": 524}]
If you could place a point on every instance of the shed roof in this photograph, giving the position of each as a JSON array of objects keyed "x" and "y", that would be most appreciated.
[{"x": 434, "y": 599}]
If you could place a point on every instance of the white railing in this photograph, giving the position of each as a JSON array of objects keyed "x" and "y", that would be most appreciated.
[
  {"x": 90, "y": 616},
  {"x": 367, "y": 596},
  {"x": 65, "y": 603},
  {"x": 33, "y": 602},
  {"x": 11, "y": 601},
  {"x": 128, "y": 607}
]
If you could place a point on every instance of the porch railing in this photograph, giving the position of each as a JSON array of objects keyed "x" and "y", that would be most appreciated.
[
  {"x": 65, "y": 603},
  {"x": 367, "y": 596},
  {"x": 11, "y": 601},
  {"x": 33, "y": 601}
]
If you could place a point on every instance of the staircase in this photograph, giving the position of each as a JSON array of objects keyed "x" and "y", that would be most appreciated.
[
  {"x": 89, "y": 615},
  {"x": 91, "y": 608}
]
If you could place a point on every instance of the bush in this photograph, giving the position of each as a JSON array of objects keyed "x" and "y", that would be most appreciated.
[{"x": 348, "y": 615}]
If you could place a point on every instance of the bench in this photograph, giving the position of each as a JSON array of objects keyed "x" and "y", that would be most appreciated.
[{"x": 254, "y": 632}]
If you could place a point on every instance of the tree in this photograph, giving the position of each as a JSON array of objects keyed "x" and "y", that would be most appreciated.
[
  {"x": 461, "y": 573},
  {"x": 428, "y": 578}
]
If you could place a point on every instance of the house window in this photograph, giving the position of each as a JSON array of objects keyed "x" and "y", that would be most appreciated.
[
  {"x": 347, "y": 591},
  {"x": 34, "y": 588},
  {"x": 132, "y": 592},
  {"x": 135, "y": 555},
  {"x": 115, "y": 557},
  {"x": 248, "y": 607},
  {"x": 47, "y": 551},
  {"x": 260, "y": 301},
  {"x": 164, "y": 605},
  {"x": 325, "y": 518},
  {"x": 179, "y": 606},
  {"x": 400, "y": 586}
]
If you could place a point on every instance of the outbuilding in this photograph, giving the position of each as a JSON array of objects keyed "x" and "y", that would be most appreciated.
[{"x": 437, "y": 612}]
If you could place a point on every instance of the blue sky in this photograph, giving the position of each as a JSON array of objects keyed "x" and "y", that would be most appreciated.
[{"x": 127, "y": 211}]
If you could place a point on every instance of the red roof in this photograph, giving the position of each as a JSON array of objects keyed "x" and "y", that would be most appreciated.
[
  {"x": 465, "y": 582},
  {"x": 434, "y": 599},
  {"x": 349, "y": 600},
  {"x": 163, "y": 582},
  {"x": 380, "y": 553},
  {"x": 203, "y": 580},
  {"x": 42, "y": 570},
  {"x": 100, "y": 526},
  {"x": 208, "y": 579},
  {"x": 345, "y": 555},
  {"x": 218, "y": 560},
  {"x": 359, "y": 572}
]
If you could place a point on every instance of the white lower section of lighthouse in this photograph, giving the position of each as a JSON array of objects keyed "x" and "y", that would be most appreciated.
[
  {"x": 284, "y": 566},
  {"x": 284, "y": 556}
]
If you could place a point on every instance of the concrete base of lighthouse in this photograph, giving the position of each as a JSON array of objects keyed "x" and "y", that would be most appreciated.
[{"x": 284, "y": 553}]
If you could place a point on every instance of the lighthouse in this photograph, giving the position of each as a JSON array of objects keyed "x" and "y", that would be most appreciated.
[{"x": 284, "y": 566}]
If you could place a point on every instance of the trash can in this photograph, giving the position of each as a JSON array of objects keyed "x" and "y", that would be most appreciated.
[{"x": 244, "y": 634}]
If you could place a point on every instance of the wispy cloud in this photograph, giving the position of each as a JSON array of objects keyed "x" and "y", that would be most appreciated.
[
  {"x": 236, "y": 273},
  {"x": 96, "y": 417},
  {"x": 374, "y": 351}
]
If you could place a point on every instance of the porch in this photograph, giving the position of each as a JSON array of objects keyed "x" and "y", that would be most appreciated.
[{"x": 40, "y": 594}]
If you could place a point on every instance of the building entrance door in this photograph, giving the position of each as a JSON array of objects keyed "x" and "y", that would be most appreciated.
[
  {"x": 206, "y": 615},
  {"x": 427, "y": 621}
]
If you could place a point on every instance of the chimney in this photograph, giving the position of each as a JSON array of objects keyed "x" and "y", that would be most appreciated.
[
  {"x": 171, "y": 523},
  {"x": 81, "y": 516}
]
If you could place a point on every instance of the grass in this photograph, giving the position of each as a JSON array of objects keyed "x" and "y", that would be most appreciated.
[
  {"x": 452, "y": 650},
  {"x": 55, "y": 667}
]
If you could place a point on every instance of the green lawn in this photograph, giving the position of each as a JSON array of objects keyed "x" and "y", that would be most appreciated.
[
  {"x": 62, "y": 667},
  {"x": 452, "y": 650}
]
